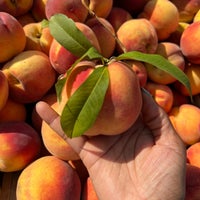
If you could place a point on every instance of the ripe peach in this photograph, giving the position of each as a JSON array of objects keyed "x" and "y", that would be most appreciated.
[
  {"x": 20, "y": 145},
  {"x": 192, "y": 72},
  {"x": 192, "y": 182},
  {"x": 4, "y": 90},
  {"x": 189, "y": 42},
  {"x": 8, "y": 113},
  {"x": 162, "y": 94},
  {"x": 62, "y": 59},
  {"x": 101, "y": 8},
  {"x": 137, "y": 35},
  {"x": 89, "y": 191},
  {"x": 13, "y": 39},
  {"x": 25, "y": 19},
  {"x": 73, "y": 9},
  {"x": 117, "y": 17},
  {"x": 140, "y": 70},
  {"x": 122, "y": 102},
  {"x": 186, "y": 121},
  {"x": 48, "y": 178},
  {"x": 16, "y": 8},
  {"x": 37, "y": 37},
  {"x": 38, "y": 10},
  {"x": 163, "y": 15},
  {"x": 30, "y": 76},
  {"x": 54, "y": 143},
  {"x": 104, "y": 32},
  {"x": 173, "y": 54},
  {"x": 187, "y": 9},
  {"x": 193, "y": 154}
]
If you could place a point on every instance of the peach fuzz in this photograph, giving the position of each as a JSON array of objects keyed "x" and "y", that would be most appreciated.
[
  {"x": 189, "y": 42},
  {"x": 30, "y": 76},
  {"x": 186, "y": 121},
  {"x": 16, "y": 8},
  {"x": 13, "y": 111},
  {"x": 162, "y": 94},
  {"x": 118, "y": 16},
  {"x": 89, "y": 191},
  {"x": 187, "y": 9},
  {"x": 13, "y": 39},
  {"x": 50, "y": 178},
  {"x": 20, "y": 145},
  {"x": 61, "y": 58},
  {"x": 4, "y": 88},
  {"x": 100, "y": 8},
  {"x": 173, "y": 54},
  {"x": 37, "y": 37},
  {"x": 55, "y": 144},
  {"x": 192, "y": 182},
  {"x": 140, "y": 70},
  {"x": 38, "y": 10},
  {"x": 192, "y": 72},
  {"x": 163, "y": 15},
  {"x": 72, "y": 9},
  {"x": 105, "y": 34},
  {"x": 193, "y": 154},
  {"x": 122, "y": 102},
  {"x": 137, "y": 35}
]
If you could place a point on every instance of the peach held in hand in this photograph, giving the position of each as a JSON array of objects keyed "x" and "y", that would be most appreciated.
[
  {"x": 20, "y": 145},
  {"x": 30, "y": 76},
  {"x": 122, "y": 102},
  {"x": 13, "y": 39},
  {"x": 48, "y": 178}
]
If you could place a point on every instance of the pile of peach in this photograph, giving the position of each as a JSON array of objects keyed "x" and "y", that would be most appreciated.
[{"x": 31, "y": 61}]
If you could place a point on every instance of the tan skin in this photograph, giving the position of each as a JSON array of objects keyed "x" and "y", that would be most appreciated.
[{"x": 145, "y": 163}]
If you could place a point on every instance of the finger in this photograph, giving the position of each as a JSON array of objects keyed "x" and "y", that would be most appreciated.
[
  {"x": 52, "y": 118},
  {"x": 158, "y": 122}
]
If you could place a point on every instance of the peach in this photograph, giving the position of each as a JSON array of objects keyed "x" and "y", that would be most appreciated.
[
  {"x": 61, "y": 58},
  {"x": 13, "y": 39},
  {"x": 38, "y": 10},
  {"x": 118, "y": 16},
  {"x": 178, "y": 98},
  {"x": 132, "y": 6},
  {"x": 105, "y": 33},
  {"x": 16, "y": 8},
  {"x": 196, "y": 16},
  {"x": 73, "y": 9},
  {"x": 30, "y": 76},
  {"x": 54, "y": 143},
  {"x": 100, "y": 8},
  {"x": 192, "y": 182},
  {"x": 163, "y": 15},
  {"x": 173, "y": 54},
  {"x": 8, "y": 113},
  {"x": 4, "y": 88},
  {"x": 25, "y": 19},
  {"x": 192, "y": 72},
  {"x": 20, "y": 145},
  {"x": 193, "y": 154},
  {"x": 189, "y": 42},
  {"x": 187, "y": 9},
  {"x": 48, "y": 178},
  {"x": 137, "y": 35},
  {"x": 122, "y": 102},
  {"x": 140, "y": 70},
  {"x": 89, "y": 191},
  {"x": 37, "y": 37},
  {"x": 186, "y": 121},
  {"x": 162, "y": 94}
]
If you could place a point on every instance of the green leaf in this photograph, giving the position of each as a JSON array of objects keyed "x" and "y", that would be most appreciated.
[
  {"x": 159, "y": 62},
  {"x": 83, "y": 106},
  {"x": 64, "y": 30},
  {"x": 59, "y": 87}
]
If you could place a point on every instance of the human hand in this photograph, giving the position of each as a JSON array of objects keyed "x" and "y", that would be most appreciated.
[{"x": 146, "y": 162}]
